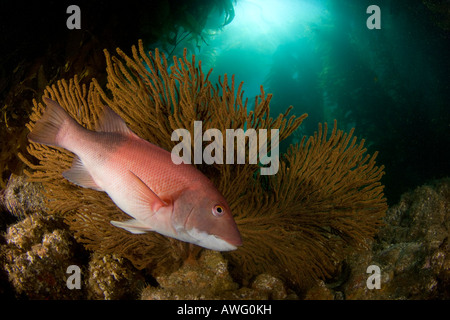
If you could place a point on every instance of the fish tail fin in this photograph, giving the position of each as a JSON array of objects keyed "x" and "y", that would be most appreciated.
[{"x": 47, "y": 129}]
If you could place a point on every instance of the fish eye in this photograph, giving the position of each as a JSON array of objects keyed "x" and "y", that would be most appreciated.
[{"x": 218, "y": 210}]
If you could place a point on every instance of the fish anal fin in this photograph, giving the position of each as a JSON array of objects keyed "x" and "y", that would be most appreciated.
[
  {"x": 132, "y": 225},
  {"x": 79, "y": 175}
]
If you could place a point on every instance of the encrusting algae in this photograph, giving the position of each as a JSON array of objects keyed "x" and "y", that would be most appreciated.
[{"x": 297, "y": 224}]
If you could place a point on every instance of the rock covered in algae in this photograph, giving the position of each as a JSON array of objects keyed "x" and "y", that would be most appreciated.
[
  {"x": 39, "y": 249},
  {"x": 208, "y": 278},
  {"x": 37, "y": 253},
  {"x": 112, "y": 277},
  {"x": 320, "y": 292},
  {"x": 412, "y": 251},
  {"x": 271, "y": 287},
  {"x": 20, "y": 198}
]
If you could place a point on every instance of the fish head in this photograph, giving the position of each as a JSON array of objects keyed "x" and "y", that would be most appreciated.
[{"x": 206, "y": 219}]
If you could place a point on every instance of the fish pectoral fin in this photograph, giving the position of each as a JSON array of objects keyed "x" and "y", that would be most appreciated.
[
  {"x": 132, "y": 225},
  {"x": 79, "y": 175},
  {"x": 145, "y": 196}
]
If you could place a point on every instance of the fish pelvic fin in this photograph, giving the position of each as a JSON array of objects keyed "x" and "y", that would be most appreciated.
[
  {"x": 47, "y": 129},
  {"x": 132, "y": 225},
  {"x": 79, "y": 175},
  {"x": 112, "y": 122}
]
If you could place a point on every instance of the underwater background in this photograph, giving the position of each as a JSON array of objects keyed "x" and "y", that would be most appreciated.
[{"x": 390, "y": 84}]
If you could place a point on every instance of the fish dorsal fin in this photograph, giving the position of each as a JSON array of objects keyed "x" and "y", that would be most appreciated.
[
  {"x": 112, "y": 122},
  {"x": 78, "y": 175},
  {"x": 145, "y": 197}
]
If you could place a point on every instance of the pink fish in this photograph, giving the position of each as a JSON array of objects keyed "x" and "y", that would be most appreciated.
[{"x": 177, "y": 201}]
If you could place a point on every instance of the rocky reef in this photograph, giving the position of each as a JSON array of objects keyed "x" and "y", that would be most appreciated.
[
  {"x": 37, "y": 253},
  {"x": 208, "y": 278},
  {"x": 411, "y": 250},
  {"x": 21, "y": 197}
]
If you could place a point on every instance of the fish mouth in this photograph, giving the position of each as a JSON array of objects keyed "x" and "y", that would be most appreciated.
[
  {"x": 233, "y": 244},
  {"x": 210, "y": 241},
  {"x": 221, "y": 244},
  {"x": 236, "y": 243}
]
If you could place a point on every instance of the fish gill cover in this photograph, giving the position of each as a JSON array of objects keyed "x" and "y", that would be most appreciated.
[{"x": 325, "y": 198}]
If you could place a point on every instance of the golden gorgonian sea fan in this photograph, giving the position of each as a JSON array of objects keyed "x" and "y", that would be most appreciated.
[{"x": 296, "y": 224}]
